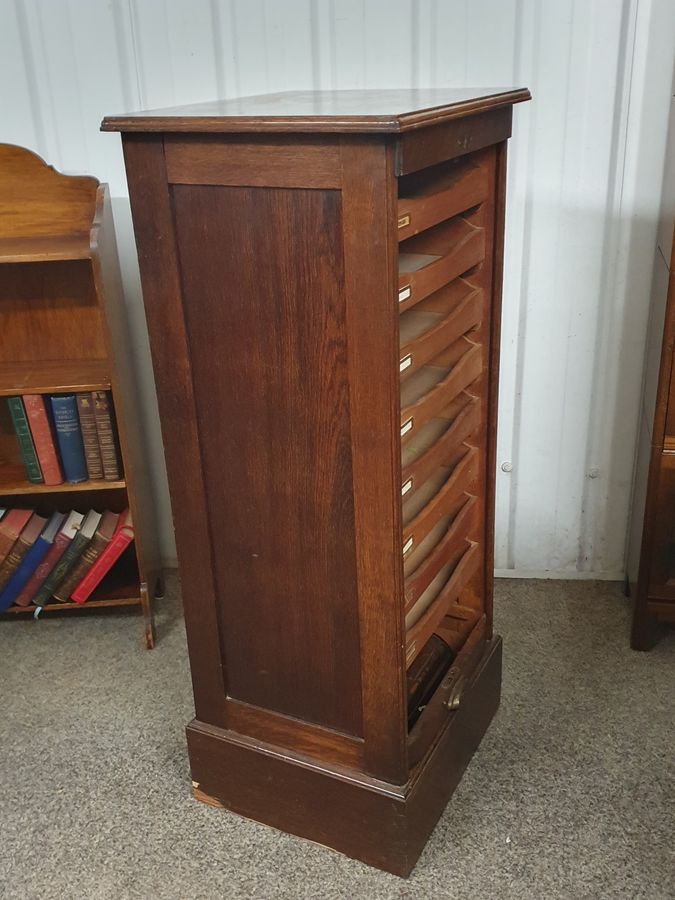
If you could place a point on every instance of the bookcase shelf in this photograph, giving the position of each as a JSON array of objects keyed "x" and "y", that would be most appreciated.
[
  {"x": 90, "y": 604},
  {"x": 64, "y": 331},
  {"x": 15, "y": 485},
  {"x": 52, "y": 376},
  {"x": 45, "y": 248}
]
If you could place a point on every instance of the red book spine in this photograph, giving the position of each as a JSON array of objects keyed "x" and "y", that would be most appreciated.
[
  {"x": 120, "y": 541},
  {"x": 41, "y": 431},
  {"x": 34, "y": 583}
]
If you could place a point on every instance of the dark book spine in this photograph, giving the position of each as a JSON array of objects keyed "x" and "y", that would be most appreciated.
[
  {"x": 107, "y": 438},
  {"x": 61, "y": 569},
  {"x": 69, "y": 437},
  {"x": 92, "y": 452},
  {"x": 12, "y": 561},
  {"x": 81, "y": 566},
  {"x": 25, "y": 440},
  {"x": 55, "y": 552}
]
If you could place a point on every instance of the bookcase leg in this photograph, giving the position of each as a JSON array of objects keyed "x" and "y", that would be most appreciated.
[
  {"x": 148, "y": 622},
  {"x": 159, "y": 588}
]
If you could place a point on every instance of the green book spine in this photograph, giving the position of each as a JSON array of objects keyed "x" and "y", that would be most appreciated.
[
  {"x": 25, "y": 440},
  {"x": 72, "y": 553}
]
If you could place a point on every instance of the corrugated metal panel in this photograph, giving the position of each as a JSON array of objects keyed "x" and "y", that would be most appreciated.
[{"x": 583, "y": 192}]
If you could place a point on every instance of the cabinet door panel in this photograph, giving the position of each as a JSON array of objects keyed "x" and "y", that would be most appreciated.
[{"x": 262, "y": 278}]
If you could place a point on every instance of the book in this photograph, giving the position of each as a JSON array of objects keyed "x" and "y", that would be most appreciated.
[
  {"x": 62, "y": 540},
  {"x": 43, "y": 439},
  {"x": 31, "y": 561},
  {"x": 70, "y": 556},
  {"x": 107, "y": 438},
  {"x": 11, "y": 526},
  {"x": 22, "y": 545},
  {"x": 92, "y": 451},
  {"x": 69, "y": 437},
  {"x": 25, "y": 440},
  {"x": 104, "y": 532},
  {"x": 123, "y": 536}
]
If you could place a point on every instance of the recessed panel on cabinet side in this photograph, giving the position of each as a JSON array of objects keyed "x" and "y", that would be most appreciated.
[{"x": 262, "y": 276}]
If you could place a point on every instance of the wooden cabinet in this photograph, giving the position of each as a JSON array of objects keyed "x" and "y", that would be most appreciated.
[
  {"x": 651, "y": 550},
  {"x": 322, "y": 278}
]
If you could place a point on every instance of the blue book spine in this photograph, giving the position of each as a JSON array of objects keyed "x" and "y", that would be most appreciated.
[
  {"x": 26, "y": 567},
  {"x": 69, "y": 437}
]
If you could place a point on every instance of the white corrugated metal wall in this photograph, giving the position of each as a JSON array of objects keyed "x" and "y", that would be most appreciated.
[{"x": 585, "y": 174}]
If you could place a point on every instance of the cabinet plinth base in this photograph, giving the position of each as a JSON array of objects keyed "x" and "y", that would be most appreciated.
[{"x": 383, "y": 825}]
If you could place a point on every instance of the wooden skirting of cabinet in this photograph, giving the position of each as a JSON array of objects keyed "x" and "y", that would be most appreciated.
[{"x": 322, "y": 283}]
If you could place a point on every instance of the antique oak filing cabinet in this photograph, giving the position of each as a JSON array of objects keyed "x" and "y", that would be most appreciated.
[{"x": 321, "y": 274}]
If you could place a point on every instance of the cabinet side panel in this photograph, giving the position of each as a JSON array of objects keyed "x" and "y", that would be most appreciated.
[{"x": 263, "y": 295}]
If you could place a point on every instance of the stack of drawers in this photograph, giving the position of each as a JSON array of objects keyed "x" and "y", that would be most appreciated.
[{"x": 442, "y": 286}]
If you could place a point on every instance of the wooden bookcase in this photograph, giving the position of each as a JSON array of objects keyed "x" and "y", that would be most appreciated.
[
  {"x": 322, "y": 281},
  {"x": 63, "y": 330}
]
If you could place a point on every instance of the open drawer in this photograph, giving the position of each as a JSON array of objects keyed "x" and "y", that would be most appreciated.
[
  {"x": 459, "y": 530},
  {"x": 429, "y": 260},
  {"x": 436, "y": 322},
  {"x": 434, "y": 194},
  {"x": 442, "y": 600},
  {"x": 435, "y": 443},
  {"x": 440, "y": 496},
  {"x": 449, "y": 675},
  {"x": 429, "y": 390}
]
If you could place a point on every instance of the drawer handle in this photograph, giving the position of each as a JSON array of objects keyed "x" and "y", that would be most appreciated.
[
  {"x": 405, "y": 363},
  {"x": 407, "y": 426},
  {"x": 407, "y": 547},
  {"x": 404, "y": 220},
  {"x": 455, "y": 697},
  {"x": 406, "y": 487},
  {"x": 410, "y": 651},
  {"x": 405, "y": 293}
]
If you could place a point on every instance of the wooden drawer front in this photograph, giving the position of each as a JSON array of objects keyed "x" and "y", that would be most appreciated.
[
  {"x": 429, "y": 390},
  {"x": 457, "y": 574},
  {"x": 448, "y": 548},
  {"x": 449, "y": 694},
  {"x": 433, "y": 195},
  {"x": 437, "y": 441},
  {"x": 437, "y": 256},
  {"x": 449, "y": 485},
  {"x": 437, "y": 322}
]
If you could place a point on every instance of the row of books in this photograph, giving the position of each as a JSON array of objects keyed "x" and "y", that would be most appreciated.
[
  {"x": 63, "y": 557},
  {"x": 66, "y": 437}
]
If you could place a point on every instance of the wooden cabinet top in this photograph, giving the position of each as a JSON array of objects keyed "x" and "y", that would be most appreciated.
[{"x": 322, "y": 111}]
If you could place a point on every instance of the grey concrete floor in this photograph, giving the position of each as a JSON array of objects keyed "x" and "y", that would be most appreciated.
[{"x": 571, "y": 794}]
